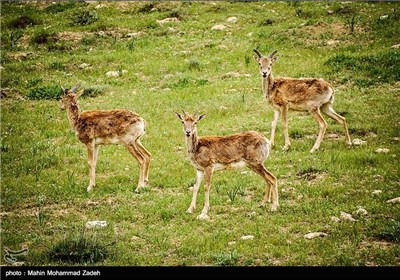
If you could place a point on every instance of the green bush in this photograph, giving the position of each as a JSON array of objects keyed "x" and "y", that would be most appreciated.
[
  {"x": 78, "y": 248},
  {"x": 22, "y": 21},
  {"x": 391, "y": 233},
  {"x": 42, "y": 36},
  {"x": 84, "y": 17},
  {"x": 46, "y": 92},
  {"x": 60, "y": 7}
]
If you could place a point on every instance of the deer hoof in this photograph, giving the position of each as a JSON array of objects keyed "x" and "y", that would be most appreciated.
[
  {"x": 190, "y": 210},
  {"x": 203, "y": 216},
  {"x": 89, "y": 189},
  {"x": 286, "y": 148},
  {"x": 274, "y": 208}
]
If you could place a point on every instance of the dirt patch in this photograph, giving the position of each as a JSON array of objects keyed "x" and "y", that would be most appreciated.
[
  {"x": 11, "y": 94},
  {"x": 311, "y": 174}
]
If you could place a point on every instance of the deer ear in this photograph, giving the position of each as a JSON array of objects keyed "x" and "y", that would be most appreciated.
[
  {"x": 179, "y": 116},
  {"x": 275, "y": 58},
  {"x": 64, "y": 91},
  {"x": 79, "y": 93},
  {"x": 256, "y": 58},
  {"x": 200, "y": 117},
  {"x": 272, "y": 54},
  {"x": 75, "y": 88}
]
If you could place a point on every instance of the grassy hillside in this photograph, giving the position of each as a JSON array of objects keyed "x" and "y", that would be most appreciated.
[{"x": 183, "y": 63}]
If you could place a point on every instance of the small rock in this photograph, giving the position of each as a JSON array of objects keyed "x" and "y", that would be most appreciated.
[
  {"x": 372, "y": 135},
  {"x": 83, "y": 66},
  {"x": 397, "y": 139},
  {"x": 134, "y": 34},
  {"x": 222, "y": 107},
  {"x": 335, "y": 219},
  {"x": 383, "y": 17},
  {"x": 135, "y": 238},
  {"x": 166, "y": 20},
  {"x": 376, "y": 192},
  {"x": 358, "y": 142},
  {"x": 332, "y": 136},
  {"x": 252, "y": 214},
  {"x": 332, "y": 42},
  {"x": 382, "y": 150},
  {"x": 361, "y": 211},
  {"x": 218, "y": 27},
  {"x": 395, "y": 46},
  {"x": 100, "y": 6},
  {"x": 112, "y": 74},
  {"x": 394, "y": 200},
  {"x": 231, "y": 243},
  {"x": 96, "y": 224},
  {"x": 247, "y": 237},
  {"x": 312, "y": 235},
  {"x": 232, "y": 19},
  {"x": 347, "y": 217}
]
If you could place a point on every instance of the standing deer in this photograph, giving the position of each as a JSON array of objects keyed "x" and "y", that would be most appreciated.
[
  {"x": 103, "y": 127},
  {"x": 236, "y": 151},
  {"x": 302, "y": 94}
]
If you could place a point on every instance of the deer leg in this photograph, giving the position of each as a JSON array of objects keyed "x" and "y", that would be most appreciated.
[
  {"x": 204, "y": 213},
  {"x": 92, "y": 158},
  {"x": 328, "y": 110},
  {"x": 139, "y": 157},
  {"x": 273, "y": 126},
  {"x": 147, "y": 157},
  {"x": 271, "y": 186},
  {"x": 322, "y": 128},
  {"x": 284, "y": 112},
  {"x": 199, "y": 178}
]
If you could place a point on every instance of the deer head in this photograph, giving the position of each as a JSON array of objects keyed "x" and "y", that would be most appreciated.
[
  {"x": 189, "y": 122},
  {"x": 265, "y": 63}
]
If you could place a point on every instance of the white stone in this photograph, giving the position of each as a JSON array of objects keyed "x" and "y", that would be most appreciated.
[
  {"x": 83, "y": 65},
  {"x": 312, "y": 235},
  {"x": 218, "y": 27},
  {"x": 232, "y": 19},
  {"x": 247, "y": 237},
  {"x": 112, "y": 74},
  {"x": 96, "y": 224},
  {"x": 394, "y": 200},
  {"x": 335, "y": 219},
  {"x": 347, "y": 217},
  {"x": 361, "y": 211},
  {"x": 358, "y": 142},
  {"x": 395, "y": 46},
  {"x": 231, "y": 243},
  {"x": 375, "y": 192},
  {"x": 166, "y": 20},
  {"x": 382, "y": 150}
]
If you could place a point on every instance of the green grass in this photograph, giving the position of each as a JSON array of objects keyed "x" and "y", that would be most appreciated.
[{"x": 187, "y": 66}]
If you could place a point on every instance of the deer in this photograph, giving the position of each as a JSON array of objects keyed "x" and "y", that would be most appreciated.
[
  {"x": 104, "y": 127},
  {"x": 314, "y": 95},
  {"x": 236, "y": 151}
]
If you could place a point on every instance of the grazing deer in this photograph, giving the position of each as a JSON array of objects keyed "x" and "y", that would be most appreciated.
[
  {"x": 102, "y": 127},
  {"x": 211, "y": 153},
  {"x": 302, "y": 94}
]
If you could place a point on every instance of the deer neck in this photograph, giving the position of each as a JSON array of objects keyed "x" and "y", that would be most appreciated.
[
  {"x": 73, "y": 112},
  {"x": 191, "y": 143},
  {"x": 267, "y": 84}
]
